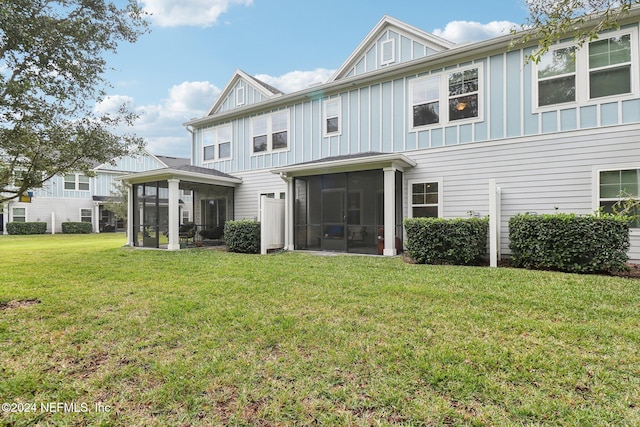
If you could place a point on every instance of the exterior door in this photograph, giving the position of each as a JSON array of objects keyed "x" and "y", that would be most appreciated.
[{"x": 334, "y": 219}]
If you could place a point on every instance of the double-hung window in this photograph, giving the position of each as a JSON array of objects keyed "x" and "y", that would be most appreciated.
[
  {"x": 616, "y": 186},
  {"x": 216, "y": 143},
  {"x": 557, "y": 77},
  {"x": 463, "y": 94},
  {"x": 85, "y": 215},
  {"x": 270, "y": 132},
  {"x": 19, "y": 214},
  {"x": 332, "y": 116},
  {"x": 426, "y": 199},
  {"x": 426, "y": 101},
  {"x": 76, "y": 182},
  {"x": 610, "y": 66},
  {"x": 602, "y": 68},
  {"x": 446, "y": 98}
]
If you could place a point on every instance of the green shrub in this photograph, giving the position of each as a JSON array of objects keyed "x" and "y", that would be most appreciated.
[
  {"x": 77, "y": 227},
  {"x": 460, "y": 241},
  {"x": 21, "y": 228},
  {"x": 242, "y": 236},
  {"x": 568, "y": 242}
]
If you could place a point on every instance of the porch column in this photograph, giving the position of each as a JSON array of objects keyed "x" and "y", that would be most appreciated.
[
  {"x": 130, "y": 222},
  {"x": 289, "y": 223},
  {"x": 96, "y": 218},
  {"x": 5, "y": 217},
  {"x": 174, "y": 220},
  {"x": 390, "y": 211}
]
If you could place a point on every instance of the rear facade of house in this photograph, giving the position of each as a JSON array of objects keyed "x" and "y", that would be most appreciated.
[{"x": 413, "y": 125}]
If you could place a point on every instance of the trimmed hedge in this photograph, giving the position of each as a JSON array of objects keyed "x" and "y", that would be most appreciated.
[
  {"x": 22, "y": 228},
  {"x": 77, "y": 227},
  {"x": 242, "y": 236},
  {"x": 461, "y": 241},
  {"x": 568, "y": 242}
]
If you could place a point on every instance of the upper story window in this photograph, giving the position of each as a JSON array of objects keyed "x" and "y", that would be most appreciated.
[
  {"x": 270, "y": 132},
  {"x": 610, "y": 66},
  {"x": 557, "y": 77},
  {"x": 332, "y": 116},
  {"x": 602, "y": 68},
  {"x": 76, "y": 182},
  {"x": 239, "y": 96},
  {"x": 387, "y": 52},
  {"x": 216, "y": 143},
  {"x": 460, "y": 91},
  {"x": 426, "y": 101}
]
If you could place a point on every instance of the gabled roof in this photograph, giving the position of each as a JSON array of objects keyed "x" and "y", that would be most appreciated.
[
  {"x": 386, "y": 23},
  {"x": 174, "y": 162},
  {"x": 267, "y": 90}
]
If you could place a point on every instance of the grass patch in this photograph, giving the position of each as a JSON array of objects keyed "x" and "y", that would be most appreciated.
[{"x": 202, "y": 337}]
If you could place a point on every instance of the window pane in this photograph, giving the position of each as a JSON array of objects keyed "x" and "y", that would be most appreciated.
[
  {"x": 557, "y": 62},
  {"x": 85, "y": 215},
  {"x": 69, "y": 182},
  {"x": 279, "y": 121},
  {"x": 19, "y": 211},
  {"x": 83, "y": 182},
  {"x": 260, "y": 143},
  {"x": 630, "y": 181},
  {"x": 333, "y": 108},
  {"x": 425, "y": 211},
  {"x": 259, "y": 126},
  {"x": 463, "y": 107},
  {"x": 557, "y": 91},
  {"x": 463, "y": 82},
  {"x": 426, "y": 90},
  {"x": 224, "y": 150},
  {"x": 224, "y": 134},
  {"x": 615, "y": 50},
  {"x": 209, "y": 152},
  {"x": 419, "y": 199},
  {"x": 612, "y": 81},
  {"x": 332, "y": 125},
  {"x": 279, "y": 140},
  {"x": 208, "y": 137},
  {"x": 426, "y": 114}
]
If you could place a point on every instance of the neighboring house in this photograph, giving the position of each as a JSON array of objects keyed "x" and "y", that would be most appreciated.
[
  {"x": 77, "y": 197},
  {"x": 413, "y": 125}
]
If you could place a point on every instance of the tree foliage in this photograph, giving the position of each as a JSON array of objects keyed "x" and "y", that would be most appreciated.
[
  {"x": 552, "y": 20},
  {"x": 52, "y": 66}
]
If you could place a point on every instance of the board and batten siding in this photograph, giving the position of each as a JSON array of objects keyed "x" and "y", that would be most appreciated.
[
  {"x": 377, "y": 117},
  {"x": 544, "y": 174}
]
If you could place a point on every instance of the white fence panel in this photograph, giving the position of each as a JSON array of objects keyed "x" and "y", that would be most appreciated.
[{"x": 271, "y": 224}]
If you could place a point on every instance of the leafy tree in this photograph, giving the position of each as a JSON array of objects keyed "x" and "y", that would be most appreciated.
[
  {"x": 52, "y": 69},
  {"x": 551, "y": 20}
]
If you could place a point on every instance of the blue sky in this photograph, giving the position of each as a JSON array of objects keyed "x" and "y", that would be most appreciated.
[{"x": 176, "y": 71}]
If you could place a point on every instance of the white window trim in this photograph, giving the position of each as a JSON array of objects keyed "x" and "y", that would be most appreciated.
[
  {"x": 26, "y": 213},
  {"x": 90, "y": 215},
  {"x": 444, "y": 98},
  {"x": 582, "y": 75},
  {"x": 391, "y": 60},
  {"x": 215, "y": 132},
  {"x": 240, "y": 100},
  {"x": 76, "y": 182},
  {"x": 439, "y": 181},
  {"x": 338, "y": 100},
  {"x": 595, "y": 193},
  {"x": 270, "y": 148}
]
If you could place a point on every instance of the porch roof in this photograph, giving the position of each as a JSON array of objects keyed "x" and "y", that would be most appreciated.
[
  {"x": 188, "y": 173},
  {"x": 347, "y": 163}
]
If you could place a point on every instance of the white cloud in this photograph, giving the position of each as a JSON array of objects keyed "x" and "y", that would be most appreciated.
[
  {"x": 296, "y": 80},
  {"x": 470, "y": 31},
  {"x": 161, "y": 124},
  {"x": 196, "y": 13}
]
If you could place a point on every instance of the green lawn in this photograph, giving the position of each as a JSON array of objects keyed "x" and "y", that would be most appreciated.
[{"x": 203, "y": 337}]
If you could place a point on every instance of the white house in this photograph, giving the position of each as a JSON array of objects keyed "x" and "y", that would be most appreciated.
[
  {"x": 76, "y": 197},
  {"x": 414, "y": 125}
]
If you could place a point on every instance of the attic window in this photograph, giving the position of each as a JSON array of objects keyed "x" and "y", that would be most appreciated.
[
  {"x": 240, "y": 96},
  {"x": 388, "y": 52}
]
